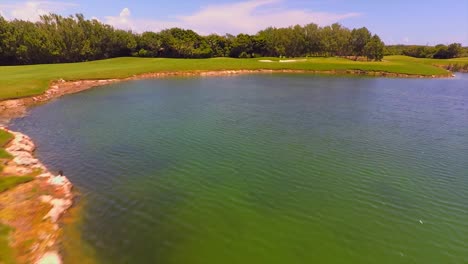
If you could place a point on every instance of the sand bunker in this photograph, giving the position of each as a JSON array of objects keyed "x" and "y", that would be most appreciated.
[{"x": 292, "y": 60}]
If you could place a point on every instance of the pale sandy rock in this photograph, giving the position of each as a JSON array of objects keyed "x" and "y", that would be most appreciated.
[
  {"x": 25, "y": 160},
  {"x": 59, "y": 206},
  {"x": 63, "y": 184},
  {"x": 34, "y": 247},
  {"x": 21, "y": 143},
  {"x": 17, "y": 170},
  {"x": 51, "y": 257},
  {"x": 45, "y": 175},
  {"x": 59, "y": 180},
  {"x": 12, "y": 103},
  {"x": 46, "y": 198}
]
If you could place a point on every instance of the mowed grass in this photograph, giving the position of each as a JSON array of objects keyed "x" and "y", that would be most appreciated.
[
  {"x": 442, "y": 62},
  {"x": 5, "y": 137},
  {"x": 7, "y": 183},
  {"x": 22, "y": 81},
  {"x": 6, "y": 253}
]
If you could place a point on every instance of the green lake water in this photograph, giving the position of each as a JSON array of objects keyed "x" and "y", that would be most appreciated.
[{"x": 265, "y": 168}]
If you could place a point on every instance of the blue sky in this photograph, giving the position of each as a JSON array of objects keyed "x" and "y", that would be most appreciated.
[{"x": 396, "y": 21}]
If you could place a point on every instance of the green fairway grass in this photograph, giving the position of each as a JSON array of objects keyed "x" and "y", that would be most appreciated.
[
  {"x": 6, "y": 254},
  {"x": 406, "y": 59},
  {"x": 5, "y": 137},
  {"x": 7, "y": 183},
  {"x": 22, "y": 81}
]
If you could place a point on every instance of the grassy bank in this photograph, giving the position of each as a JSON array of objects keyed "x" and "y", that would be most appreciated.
[
  {"x": 4, "y": 139},
  {"x": 8, "y": 182},
  {"x": 6, "y": 253},
  {"x": 22, "y": 81},
  {"x": 439, "y": 62}
]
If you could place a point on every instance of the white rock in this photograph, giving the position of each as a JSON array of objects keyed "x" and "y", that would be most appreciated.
[
  {"x": 59, "y": 206},
  {"x": 58, "y": 180},
  {"x": 61, "y": 182},
  {"x": 25, "y": 160},
  {"x": 46, "y": 198},
  {"x": 45, "y": 175},
  {"x": 50, "y": 257}
]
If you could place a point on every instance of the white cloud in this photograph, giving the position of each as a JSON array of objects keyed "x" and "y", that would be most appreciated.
[
  {"x": 247, "y": 17},
  {"x": 32, "y": 10}
]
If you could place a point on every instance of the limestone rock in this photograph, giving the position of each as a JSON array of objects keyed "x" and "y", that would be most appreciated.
[
  {"x": 51, "y": 257},
  {"x": 59, "y": 206},
  {"x": 61, "y": 184}
]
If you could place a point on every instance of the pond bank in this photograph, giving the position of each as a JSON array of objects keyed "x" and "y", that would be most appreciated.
[{"x": 33, "y": 209}]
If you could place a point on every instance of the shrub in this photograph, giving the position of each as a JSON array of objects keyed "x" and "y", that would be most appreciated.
[{"x": 244, "y": 55}]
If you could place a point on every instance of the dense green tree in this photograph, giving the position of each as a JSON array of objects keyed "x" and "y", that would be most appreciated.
[
  {"x": 441, "y": 52},
  {"x": 259, "y": 46},
  {"x": 219, "y": 45},
  {"x": 359, "y": 39},
  {"x": 243, "y": 43},
  {"x": 312, "y": 39},
  {"x": 418, "y": 51},
  {"x": 149, "y": 44},
  {"x": 181, "y": 43},
  {"x": 454, "y": 50},
  {"x": 374, "y": 49},
  {"x": 56, "y": 39},
  {"x": 438, "y": 52}
]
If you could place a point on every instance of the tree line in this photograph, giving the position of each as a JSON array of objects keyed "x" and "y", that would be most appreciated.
[
  {"x": 58, "y": 39},
  {"x": 440, "y": 51}
]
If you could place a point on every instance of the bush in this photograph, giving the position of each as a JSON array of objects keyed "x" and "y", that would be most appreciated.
[
  {"x": 143, "y": 53},
  {"x": 244, "y": 55}
]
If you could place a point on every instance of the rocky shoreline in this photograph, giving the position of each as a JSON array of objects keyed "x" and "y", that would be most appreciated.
[
  {"x": 34, "y": 209},
  {"x": 17, "y": 107}
]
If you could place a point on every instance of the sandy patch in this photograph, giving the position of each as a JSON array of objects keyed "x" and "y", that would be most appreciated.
[{"x": 286, "y": 61}]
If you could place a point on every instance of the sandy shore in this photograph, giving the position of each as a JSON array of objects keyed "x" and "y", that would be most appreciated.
[
  {"x": 33, "y": 209},
  {"x": 18, "y": 107}
]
